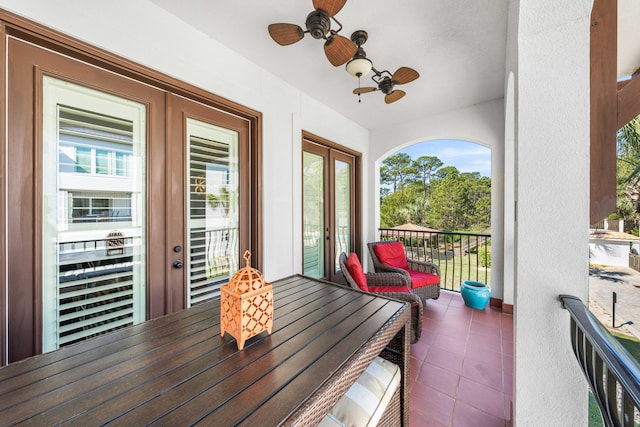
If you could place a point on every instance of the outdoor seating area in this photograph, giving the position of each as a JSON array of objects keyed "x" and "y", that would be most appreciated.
[
  {"x": 461, "y": 358},
  {"x": 390, "y": 285},
  {"x": 390, "y": 256}
]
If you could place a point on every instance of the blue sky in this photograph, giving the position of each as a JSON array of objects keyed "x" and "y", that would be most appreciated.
[{"x": 465, "y": 156}]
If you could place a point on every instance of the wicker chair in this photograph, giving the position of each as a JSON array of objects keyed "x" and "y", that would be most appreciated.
[
  {"x": 424, "y": 292},
  {"x": 390, "y": 280}
]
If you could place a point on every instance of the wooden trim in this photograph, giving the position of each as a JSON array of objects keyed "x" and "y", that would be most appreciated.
[
  {"x": 498, "y": 304},
  {"x": 22, "y": 176},
  {"x": 604, "y": 116},
  {"x": 28, "y": 30},
  {"x": 507, "y": 309},
  {"x": 3, "y": 198},
  {"x": 24, "y": 112},
  {"x": 37, "y": 216},
  {"x": 181, "y": 109},
  {"x": 628, "y": 101},
  {"x": 310, "y": 140},
  {"x": 308, "y": 136}
]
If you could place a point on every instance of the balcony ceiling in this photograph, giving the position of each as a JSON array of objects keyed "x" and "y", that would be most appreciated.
[{"x": 457, "y": 46}]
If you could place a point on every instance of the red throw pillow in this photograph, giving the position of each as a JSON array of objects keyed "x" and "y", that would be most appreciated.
[
  {"x": 391, "y": 254},
  {"x": 355, "y": 270}
]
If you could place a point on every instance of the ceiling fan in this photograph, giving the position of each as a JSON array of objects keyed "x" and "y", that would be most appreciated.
[
  {"x": 386, "y": 81},
  {"x": 338, "y": 49}
]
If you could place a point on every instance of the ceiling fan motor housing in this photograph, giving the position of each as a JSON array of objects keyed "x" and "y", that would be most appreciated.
[
  {"x": 385, "y": 85},
  {"x": 318, "y": 24}
]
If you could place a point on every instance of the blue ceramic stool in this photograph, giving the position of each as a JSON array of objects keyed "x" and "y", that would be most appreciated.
[{"x": 475, "y": 294}]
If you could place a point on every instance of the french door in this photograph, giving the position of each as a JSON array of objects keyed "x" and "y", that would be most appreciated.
[
  {"x": 93, "y": 212},
  {"x": 329, "y": 207},
  {"x": 125, "y": 202},
  {"x": 210, "y": 168}
]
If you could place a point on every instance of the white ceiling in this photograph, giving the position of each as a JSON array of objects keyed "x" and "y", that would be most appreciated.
[{"x": 457, "y": 46}]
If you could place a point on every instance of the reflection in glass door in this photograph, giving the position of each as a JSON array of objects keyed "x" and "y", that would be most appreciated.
[
  {"x": 93, "y": 184},
  {"x": 213, "y": 214},
  {"x": 342, "y": 209},
  {"x": 314, "y": 212}
]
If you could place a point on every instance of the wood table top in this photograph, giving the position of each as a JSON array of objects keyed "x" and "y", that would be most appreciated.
[{"x": 178, "y": 370}]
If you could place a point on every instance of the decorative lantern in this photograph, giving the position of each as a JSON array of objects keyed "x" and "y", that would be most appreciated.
[{"x": 246, "y": 304}]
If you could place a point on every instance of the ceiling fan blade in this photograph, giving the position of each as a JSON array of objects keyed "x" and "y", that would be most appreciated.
[
  {"x": 394, "y": 96},
  {"x": 339, "y": 49},
  {"x": 359, "y": 90},
  {"x": 405, "y": 75},
  {"x": 285, "y": 34},
  {"x": 330, "y": 6}
]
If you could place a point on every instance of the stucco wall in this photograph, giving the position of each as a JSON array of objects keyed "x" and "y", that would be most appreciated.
[
  {"x": 552, "y": 192},
  {"x": 151, "y": 36},
  {"x": 611, "y": 251}
]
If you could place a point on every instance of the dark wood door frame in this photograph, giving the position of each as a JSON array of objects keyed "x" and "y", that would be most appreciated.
[
  {"x": 99, "y": 69},
  {"x": 309, "y": 141},
  {"x": 181, "y": 109}
]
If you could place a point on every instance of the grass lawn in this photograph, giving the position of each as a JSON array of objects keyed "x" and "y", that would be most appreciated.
[
  {"x": 632, "y": 345},
  {"x": 458, "y": 269}
]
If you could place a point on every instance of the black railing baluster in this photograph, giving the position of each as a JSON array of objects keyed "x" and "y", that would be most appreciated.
[
  {"x": 612, "y": 373},
  {"x": 448, "y": 250}
]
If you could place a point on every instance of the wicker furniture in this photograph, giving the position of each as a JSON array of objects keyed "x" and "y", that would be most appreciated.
[
  {"x": 390, "y": 280},
  {"x": 178, "y": 370},
  {"x": 424, "y": 292}
]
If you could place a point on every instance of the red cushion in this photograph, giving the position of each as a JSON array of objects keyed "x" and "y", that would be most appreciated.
[
  {"x": 355, "y": 270},
  {"x": 420, "y": 279},
  {"x": 391, "y": 254},
  {"x": 402, "y": 288}
]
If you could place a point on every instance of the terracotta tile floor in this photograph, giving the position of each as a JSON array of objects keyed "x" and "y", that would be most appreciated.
[{"x": 462, "y": 367}]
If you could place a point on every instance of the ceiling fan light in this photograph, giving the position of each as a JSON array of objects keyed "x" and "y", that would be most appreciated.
[{"x": 359, "y": 67}]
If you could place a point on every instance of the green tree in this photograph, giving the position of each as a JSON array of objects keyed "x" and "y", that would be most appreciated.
[
  {"x": 460, "y": 201},
  {"x": 439, "y": 197},
  {"x": 395, "y": 170},
  {"x": 628, "y": 170},
  {"x": 424, "y": 167}
]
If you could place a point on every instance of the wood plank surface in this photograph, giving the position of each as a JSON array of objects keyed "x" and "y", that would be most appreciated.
[{"x": 178, "y": 370}]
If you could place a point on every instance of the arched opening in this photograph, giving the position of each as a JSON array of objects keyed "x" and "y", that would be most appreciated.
[{"x": 436, "y": 196}]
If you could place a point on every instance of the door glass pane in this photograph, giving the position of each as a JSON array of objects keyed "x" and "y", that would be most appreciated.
[
  {"x": 213, "y": 213},
  {"x": 342, "y": 212},
  {"x": 93, "y": 254},
  {"x": 313, "y": 217}
]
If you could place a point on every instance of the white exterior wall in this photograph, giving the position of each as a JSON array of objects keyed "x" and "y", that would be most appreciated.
[
  {"x": 611, "y": 251},
  {"x": 150, "y": 36},
  {"x": 552, "y": 190}
]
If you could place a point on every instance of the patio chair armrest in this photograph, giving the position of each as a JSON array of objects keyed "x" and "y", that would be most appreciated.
[
  {"x": 424, "y": 266},
  {"x": 416, "y": 309},
  {"x": 381, "y": 268},
  {"x": 388, "y": 279}
]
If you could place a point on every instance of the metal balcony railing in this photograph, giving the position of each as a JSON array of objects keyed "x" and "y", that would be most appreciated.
[
  {"x": 613, "y": 374},
  {"x": 460, "y": 256}
]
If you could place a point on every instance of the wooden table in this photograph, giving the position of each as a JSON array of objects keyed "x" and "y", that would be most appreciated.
[{"x": 177, "y": 370}]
